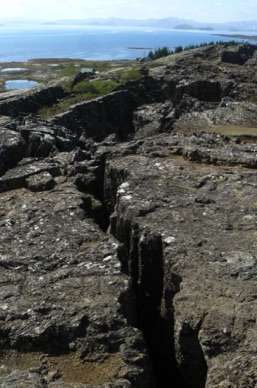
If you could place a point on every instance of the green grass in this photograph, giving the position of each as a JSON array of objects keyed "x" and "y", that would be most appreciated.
[
  {"x": 73, "y": 68},
  {"x": 90, "y": 88},
  {"x": 83, "y": 91},
  {"x": 130, "y": 75},
  {"x": 63, "y": 105},
  {"x": 95, "y": 87}
]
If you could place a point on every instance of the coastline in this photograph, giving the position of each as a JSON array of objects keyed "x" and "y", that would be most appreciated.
[{"x": 238, "y": 36}]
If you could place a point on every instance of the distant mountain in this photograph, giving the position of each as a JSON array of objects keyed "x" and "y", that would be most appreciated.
[
  {"x": 189, "y": 27},
  {"x": 50, "y": 24},
  {"x": 169, "y": 22},
  {"x": 112, "y": 22},
  {"x": 165, "y": 23}
]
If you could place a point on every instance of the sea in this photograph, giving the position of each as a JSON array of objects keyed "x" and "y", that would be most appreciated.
[{"x": 94, "y": 43}]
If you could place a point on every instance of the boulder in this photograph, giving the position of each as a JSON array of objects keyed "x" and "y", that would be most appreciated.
[{"x": 12, "y": 149}]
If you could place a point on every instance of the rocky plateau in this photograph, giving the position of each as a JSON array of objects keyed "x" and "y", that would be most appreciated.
[{"x": 128, "y": 244}]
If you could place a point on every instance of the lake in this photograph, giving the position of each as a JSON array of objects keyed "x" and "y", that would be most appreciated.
[
  {"x": 93, "y": 43},
  {"x": 20, "y": 84}
]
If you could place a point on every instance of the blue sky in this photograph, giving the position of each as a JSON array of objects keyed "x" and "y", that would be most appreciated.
[{"x": 198, "y": 10}]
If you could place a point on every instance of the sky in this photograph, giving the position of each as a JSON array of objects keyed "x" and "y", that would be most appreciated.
[{"x": 197, "y": 10}]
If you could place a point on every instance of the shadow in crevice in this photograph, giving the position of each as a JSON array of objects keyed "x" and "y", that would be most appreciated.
[
  {"x": 161, "y": 341},
  {"x": 194, "y": 362},
  {"x": 154, "y": 308},
  {"x": 192, "y": 371}
]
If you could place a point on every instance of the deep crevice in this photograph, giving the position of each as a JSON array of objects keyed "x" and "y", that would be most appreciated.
[
  {"x": 142, "y": 259},
  {"x": 155, "y": 324},
  {"x": 154, "y": 311}
]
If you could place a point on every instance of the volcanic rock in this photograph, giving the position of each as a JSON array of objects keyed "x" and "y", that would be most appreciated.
[{"x": 128, "y": 231}]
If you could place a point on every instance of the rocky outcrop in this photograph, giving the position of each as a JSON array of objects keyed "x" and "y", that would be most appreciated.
[
  {"x": 193, "y": 228},
  {"x": 12, "y": 149},
  {"x": 60, "y": 279},
  {"x": 112, "y": 113},
  {"x": 82, "y": 75},
  {"x": 240, "y": 55},
  {"x": 132, "y": 264},
  {"x": 229, "y": 112},
  {"x": 17, "y": 104}
]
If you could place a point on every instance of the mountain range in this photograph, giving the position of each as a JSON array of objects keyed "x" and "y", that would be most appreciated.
[{"x": 169, "y": 22}]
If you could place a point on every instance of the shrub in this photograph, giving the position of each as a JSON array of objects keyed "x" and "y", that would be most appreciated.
[
  {"x": 130, "y": 75},
  {"x": 95, "y": 87},
  {"x": 70, "y": 70}
]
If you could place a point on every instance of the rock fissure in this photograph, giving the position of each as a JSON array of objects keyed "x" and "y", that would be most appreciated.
[
  {"x": 143, "y": 261},
  {"x": 154, "y": 304},
  {"x": 132, "y": 263}
]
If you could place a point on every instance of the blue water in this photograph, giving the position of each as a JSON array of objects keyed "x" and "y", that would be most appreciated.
[
  {"x": 20, "y": 84},
  {"x": 96, "y": 43}
]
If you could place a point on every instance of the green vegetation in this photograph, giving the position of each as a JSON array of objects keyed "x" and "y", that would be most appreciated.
[
  {"x": 83, "y": 91},
  {"x": 218, "y": 43},
  {"x": 165, "y": 51},
  {"x": 95, "y": 87},
  {"x": 89, "y": 88},
  {"x": 160, "y": 53},
  {"x": 130, "y": 75},
  {"x": 62, "y": 106},
  {"x": 71, "y": 69},
  {"x": 178, "y": 49}
]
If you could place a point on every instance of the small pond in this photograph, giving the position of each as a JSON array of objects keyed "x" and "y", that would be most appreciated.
[
  {"x": 11, "y": 69},
  {"x": 20, "y": 84}
]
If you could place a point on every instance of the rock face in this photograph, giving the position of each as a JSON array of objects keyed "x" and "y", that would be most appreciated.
[
  {"x": 29, "y": 102},
  {"x": 239, "y": 56},
  {"x": 12, "y": 149},
  {"x": 192, "y": 227},
  {"x": 133, "y": 263},
  {"x": 112, "y": 113},
  {"x": 67, "y": 309}
]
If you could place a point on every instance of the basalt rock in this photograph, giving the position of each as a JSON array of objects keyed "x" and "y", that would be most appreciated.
[
  {"x": 67, "y": 309},
  {"x": 31, "y": 137},
  {"x": 112, "y": 114},
  {"x": 240, "y": 55},
  {"x": 228, "y": 112},
  {"x": 12, "y": 149},
  {"x": 16, "y": 103},
  {"x": 193, "y": 228},
  {"x": 132, "y": 264}
]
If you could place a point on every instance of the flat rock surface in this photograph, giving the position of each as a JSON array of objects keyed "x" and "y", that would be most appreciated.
[
  {"x": 61, "y": 294},
  {"x": 206, "y": 218}
]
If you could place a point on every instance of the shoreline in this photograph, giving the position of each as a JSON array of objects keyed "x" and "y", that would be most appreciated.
[{"x": 238, "y": 36}]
